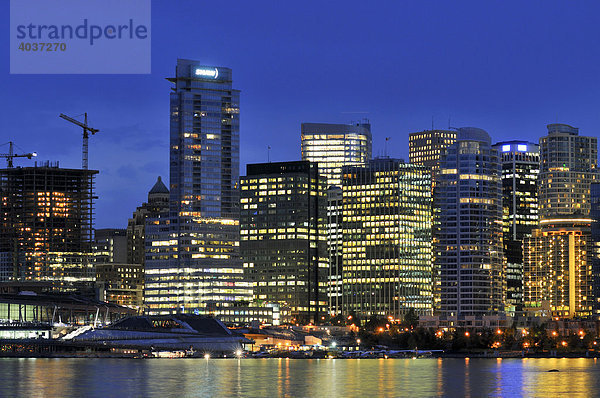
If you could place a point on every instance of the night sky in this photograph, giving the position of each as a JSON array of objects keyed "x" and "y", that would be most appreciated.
[{"x": 507, "y": 67}]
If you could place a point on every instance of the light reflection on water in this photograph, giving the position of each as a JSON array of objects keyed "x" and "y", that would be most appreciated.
[{"x": 298, "y": 378}]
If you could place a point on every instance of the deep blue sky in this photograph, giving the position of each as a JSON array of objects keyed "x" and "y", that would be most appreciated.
[{"x": 507, "y": 67}]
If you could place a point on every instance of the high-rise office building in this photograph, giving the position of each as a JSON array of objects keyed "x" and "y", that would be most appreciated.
[
  {"x": 46, "y": 228},
  {"x": 283, "y": 241},
  {"x": 520, "y": 162},
  {"x": 469, "y": 242},
  {"x": 335, "y": 145},
  {"x": 427, "y": 147},
  {"x": 386, "y": 226},
  {"x": 558, "y": 274},
  {"x": 193, "y": 261}
]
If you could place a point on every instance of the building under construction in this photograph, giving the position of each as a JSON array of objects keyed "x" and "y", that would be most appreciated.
[{"x": 46, "y": 226}]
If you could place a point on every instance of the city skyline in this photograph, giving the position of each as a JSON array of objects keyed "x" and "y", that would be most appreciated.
[{"x": 493, "y": 79}]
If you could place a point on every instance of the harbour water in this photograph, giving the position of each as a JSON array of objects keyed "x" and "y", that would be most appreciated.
[{"x": 298, "y": 378}]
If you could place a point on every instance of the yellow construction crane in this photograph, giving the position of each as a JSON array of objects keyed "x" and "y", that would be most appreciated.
[
  {"x": 86, "y": 129},
  {"x": 11, "y": 154}
]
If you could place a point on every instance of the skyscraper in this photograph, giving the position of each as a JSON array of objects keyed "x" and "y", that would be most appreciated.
[
  {"x": 335, "y": 145},
  {"x": 568, "y": 165},
  {"x": 520, "y": 162},
  {"x": 558, "y": 257},
  {"x": 469, "y": 245},
  {"x": 427, "y": 147},
  {"x": 46, "y": 226},
  {"x": 199, "y": 268},
  {"x": 386, "y": 225},
  {"x": 283, "y": 237}
]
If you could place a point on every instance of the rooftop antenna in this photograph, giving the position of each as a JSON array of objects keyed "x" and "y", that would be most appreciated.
[
  {"x": 385, "y": 153},
  {"x": 86, "y": 129},
  {"x": 269, "y": 153}
]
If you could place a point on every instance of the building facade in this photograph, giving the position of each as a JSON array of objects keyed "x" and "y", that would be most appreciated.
[
  {"x": 386, "y": 226},
  {"x": 520, "y": 162},
  {"x": 427, "y": 147},
  {"x": 335, "y": 242},
  {"x": 558, "y": 272},
  {"x": 155, "y": 208},
  {"x": 335, "y": 145},
  {"x": 469, "y": 242},
  {"x": 558, "y": 269},
  {"x": 283, "y": 237},
  {"x": 595, "y": 231},
  {"x": 568, "y": 165},
  {"x": 46, "y": 226},
  {"x": 110, "y": 245},
  {"x": 193, "y": 261}
]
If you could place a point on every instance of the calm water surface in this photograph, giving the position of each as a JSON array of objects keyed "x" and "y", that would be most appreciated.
[{"x": 298, "y": 378}]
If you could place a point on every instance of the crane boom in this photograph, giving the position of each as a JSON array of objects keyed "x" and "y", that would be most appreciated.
[
  {"x": 86, "y": 129},
  {"x": 11, "y": 155}
]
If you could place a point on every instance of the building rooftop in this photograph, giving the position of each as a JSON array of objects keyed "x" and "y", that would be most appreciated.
[{"x": 159, "y": 187}]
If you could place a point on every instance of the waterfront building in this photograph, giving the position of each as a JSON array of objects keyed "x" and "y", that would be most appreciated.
[
  {"x": 193, "y": 261},
  {"x": 121, "y": 283},
  {"x": 196, "y": 336},
  {"x": 23, "y": 307},
  {"x": 426, "y": 148},
  {"x": 469, "y": 242},
  {"x": 520, "y": 162},
  {"x": 595, "y": 231},
  {"x": 335, "y": 145},
  {"x": 283, "y": 237},
  {"x": 386, "y": 226},
  {"x": 46, "y": 226},
  {"x": 558, "y": 274},
  {"x": 117, "y": 281},
  {"x": 156, "y": 207},
  {"x": 558, "y": 269}
]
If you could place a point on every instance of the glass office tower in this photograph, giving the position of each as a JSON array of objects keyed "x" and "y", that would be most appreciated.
[
  {"x": 283, "y": 237},
  {"x": 335, "y": 145},
  {"x": 469, "y": 246},
  {"x": 193, "y": 261},
  {"x": 386, "y": 226},
  {"x": 520, "y": 162}
]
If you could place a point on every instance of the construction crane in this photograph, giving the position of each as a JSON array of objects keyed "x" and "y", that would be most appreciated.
[
  {"x": 86, "y": 129},
  {"x": 11, "y": 154}
]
